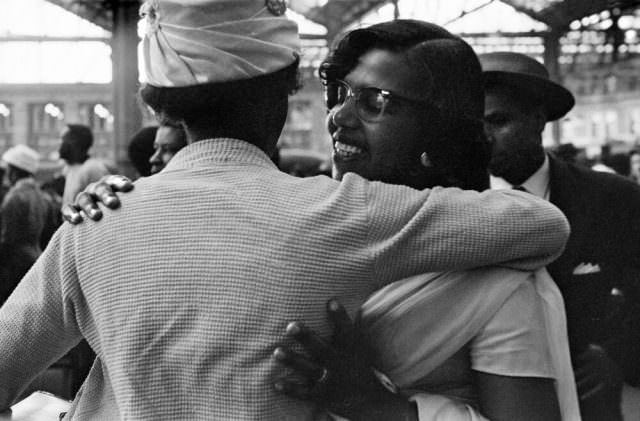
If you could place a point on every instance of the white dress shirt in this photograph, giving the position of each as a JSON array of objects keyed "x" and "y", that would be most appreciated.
[{"x": 537, "y": 184}]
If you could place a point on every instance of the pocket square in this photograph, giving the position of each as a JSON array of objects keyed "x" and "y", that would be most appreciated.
[{"x": 586, "y": 268}]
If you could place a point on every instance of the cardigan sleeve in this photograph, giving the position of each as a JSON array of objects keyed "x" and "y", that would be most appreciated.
[
  {"x": 37, "y": 321},
  {"x": 444, "y": 229}
]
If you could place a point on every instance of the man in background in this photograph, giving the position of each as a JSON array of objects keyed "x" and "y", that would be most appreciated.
[
  {"x": 24, "y": 214},
  {"x": 599, "y": 271},
  {"x": 80, "y": 168}
]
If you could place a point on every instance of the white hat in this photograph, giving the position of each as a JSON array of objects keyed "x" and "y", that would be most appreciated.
[
  {"x": 206, "y": 41},
  {"x": 23, "y": 157}
]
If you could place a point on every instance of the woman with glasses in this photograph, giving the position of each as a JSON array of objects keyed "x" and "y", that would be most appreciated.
[{"x": 405, "y": 103}]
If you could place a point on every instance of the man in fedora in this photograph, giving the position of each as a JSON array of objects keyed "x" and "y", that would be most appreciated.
[{"x": 599, "y": 271}]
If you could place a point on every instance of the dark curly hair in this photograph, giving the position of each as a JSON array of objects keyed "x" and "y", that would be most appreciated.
[
  {"x": 456, "y": 144},
  {"x": 80, "y": 136},
  {"x": 141, "y": 148},
  {"x": 227, "y": 104},
  {"x": 174, "y": 106}
]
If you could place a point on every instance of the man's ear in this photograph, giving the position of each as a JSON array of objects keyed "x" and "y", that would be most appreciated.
[{"x": 540, "y": 118}]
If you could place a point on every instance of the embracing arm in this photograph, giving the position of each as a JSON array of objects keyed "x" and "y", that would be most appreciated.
[
  {"x": 338, "y": 377},
  {"x": 444, "y": 229},
  {"x": 414, "y": 232},
  {"x": 517, "y": 398},
  {"x": 37, "y": 323}
]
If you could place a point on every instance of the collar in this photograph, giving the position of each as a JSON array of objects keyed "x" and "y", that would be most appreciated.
[
  {"x": 206, "y": 152},
  {"x": 537, "y": 184}
]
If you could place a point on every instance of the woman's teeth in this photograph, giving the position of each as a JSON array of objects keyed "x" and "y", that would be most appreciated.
[{"x": 345, "y": 150}]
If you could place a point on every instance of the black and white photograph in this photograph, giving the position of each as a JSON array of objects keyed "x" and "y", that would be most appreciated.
[{"x": 320, "y": 210}]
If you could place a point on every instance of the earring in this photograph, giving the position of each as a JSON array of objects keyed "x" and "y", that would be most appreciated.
[{"x": 425, "y": 161}]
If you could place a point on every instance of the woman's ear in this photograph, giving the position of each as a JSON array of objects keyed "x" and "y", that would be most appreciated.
[{"x": 425, "y": 161}]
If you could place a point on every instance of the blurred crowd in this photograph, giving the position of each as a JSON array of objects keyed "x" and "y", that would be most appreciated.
[{"x": 624, "y": 163}]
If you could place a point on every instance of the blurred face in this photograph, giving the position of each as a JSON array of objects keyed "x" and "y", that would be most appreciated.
[
  {"x": 66, "y": 148},
  {"x": 635, "y": 166},
  {"x": 386, "y": 148},
  {"x": 515, "y": 134},
  {"x": 167, "y": 143}
]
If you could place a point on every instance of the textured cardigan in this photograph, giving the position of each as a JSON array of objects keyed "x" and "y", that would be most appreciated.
[{"x": 186, "y": 290}]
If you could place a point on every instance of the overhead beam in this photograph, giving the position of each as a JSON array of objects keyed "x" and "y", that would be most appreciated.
[
  {"x": 99, "y": 12},
  {"x": 517, "y": 5},
  {"x": 38, "y": 38},
  {"x": 558, "y": 15},
  {"x": 337, "y": 14}
]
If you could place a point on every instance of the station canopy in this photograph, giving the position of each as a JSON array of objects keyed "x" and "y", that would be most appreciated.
[
  {"x": 338, "y": 14},
  {"x": 588, "y": 29}
]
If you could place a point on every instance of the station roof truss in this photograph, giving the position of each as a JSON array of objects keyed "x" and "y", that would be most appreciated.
[
  {"x": 337, "y": 14},
  {"x": 99, "y": 12},
  {"x": 558, "y": 14}
]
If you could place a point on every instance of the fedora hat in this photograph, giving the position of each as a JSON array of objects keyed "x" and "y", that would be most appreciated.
[{"x": 530, "y": 76}]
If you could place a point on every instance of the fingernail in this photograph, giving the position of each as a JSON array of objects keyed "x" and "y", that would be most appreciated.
[
  {"x": 293, "y": 328},
  {"x": 93, "y": 213},
  {"x": 333, "y": 305},
  {"x": 109, "y": 201},
  {"x": 279, "y": 354}
]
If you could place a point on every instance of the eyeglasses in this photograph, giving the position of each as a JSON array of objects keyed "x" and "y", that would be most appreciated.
[{"x": 371, "y": 102}]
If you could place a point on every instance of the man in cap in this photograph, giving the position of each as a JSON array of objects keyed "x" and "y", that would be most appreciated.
[
  {"x": 23, "y": 216},
  {"x": 186, "y": 292},
  {"x": 599, "y": 271}
]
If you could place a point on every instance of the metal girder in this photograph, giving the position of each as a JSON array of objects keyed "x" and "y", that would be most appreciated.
[
  {"x": 337, "y": 14},
  {"x": 99, "y": 12},
  {"x": 558, "y": 14}
]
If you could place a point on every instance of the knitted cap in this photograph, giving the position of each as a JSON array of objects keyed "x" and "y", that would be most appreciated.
[
  {"x": 204, "y": 41},
  {"x": 23, "y": 157}
]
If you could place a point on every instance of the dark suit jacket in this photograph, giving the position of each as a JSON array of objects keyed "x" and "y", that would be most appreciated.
[{"x": 604, "y": 213}]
